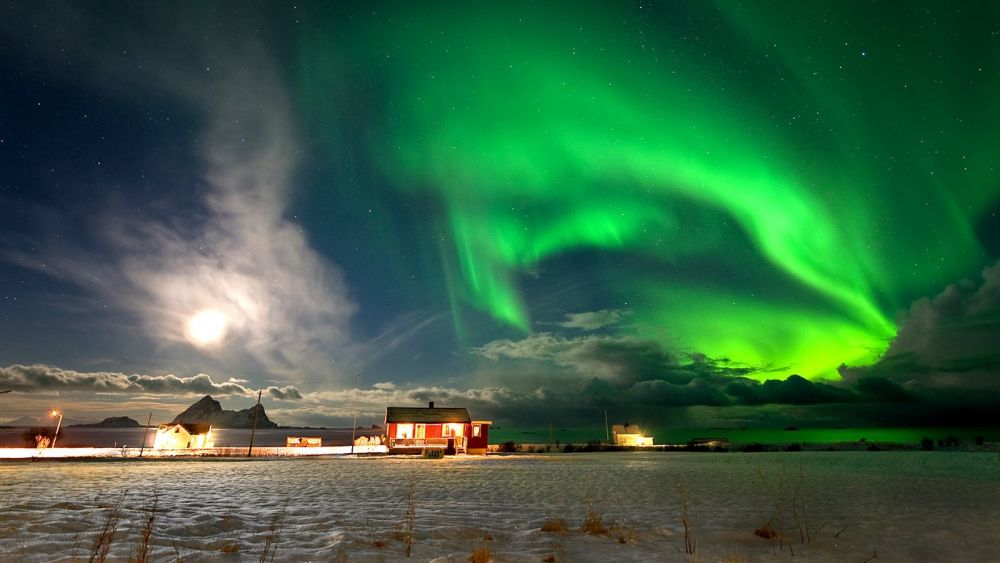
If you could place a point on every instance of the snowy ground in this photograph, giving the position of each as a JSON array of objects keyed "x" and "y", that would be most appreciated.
[{"x": 900, "y": 506}]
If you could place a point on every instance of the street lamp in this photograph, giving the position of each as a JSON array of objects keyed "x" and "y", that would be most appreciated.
[{"x": 58, "y": 424}]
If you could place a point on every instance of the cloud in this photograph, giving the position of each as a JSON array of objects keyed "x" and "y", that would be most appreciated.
[
  {"x": 47, "y": 378},
  {"x": 945, "y": 350},
  {"x": 286, "y": 393},
  {"x": 609, "y": 369},
  {"x": 593, "y": 320},
  {"x": 795, "y": 390},
  {"x": 621, "y": 358},
  {"x": 231, "y": 245}
]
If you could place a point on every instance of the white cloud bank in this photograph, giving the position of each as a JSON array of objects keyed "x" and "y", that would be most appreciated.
[{"x": 32, "y": 378}]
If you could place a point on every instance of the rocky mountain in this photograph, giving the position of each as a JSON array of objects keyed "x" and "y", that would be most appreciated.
[
  {"x": 209, "y": 411},
  {"x": 114, "y": 422}
]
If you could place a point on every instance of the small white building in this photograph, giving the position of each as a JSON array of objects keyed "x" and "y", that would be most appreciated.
[
  {"x": 629, "y": 435},
  {"x": 183, "y": 435}
]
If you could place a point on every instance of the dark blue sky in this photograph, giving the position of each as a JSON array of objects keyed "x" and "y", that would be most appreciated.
[{"x": 684, "y": 213}]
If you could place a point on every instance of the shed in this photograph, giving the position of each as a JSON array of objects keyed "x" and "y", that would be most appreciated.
[{"x": 304, "y": 442}]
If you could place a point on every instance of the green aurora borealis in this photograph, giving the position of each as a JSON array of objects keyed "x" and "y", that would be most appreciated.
[{"x": 827, "y": 157}]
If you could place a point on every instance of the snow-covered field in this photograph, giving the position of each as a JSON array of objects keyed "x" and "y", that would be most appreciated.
[{"x": 900, "y": 506}]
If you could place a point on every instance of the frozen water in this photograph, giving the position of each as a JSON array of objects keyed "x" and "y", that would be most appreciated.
[{"x": 902, "y": 506}]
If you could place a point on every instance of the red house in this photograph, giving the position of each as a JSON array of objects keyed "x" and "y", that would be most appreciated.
[{"x": 414, "y": 429}]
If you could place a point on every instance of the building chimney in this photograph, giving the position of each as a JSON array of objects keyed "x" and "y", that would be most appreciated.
[{"x": 430, "y": 405}]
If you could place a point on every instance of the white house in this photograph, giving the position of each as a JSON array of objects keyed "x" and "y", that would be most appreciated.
[
  {"x": 630, "y": 435},
  {"x": 183, "y": 435}
]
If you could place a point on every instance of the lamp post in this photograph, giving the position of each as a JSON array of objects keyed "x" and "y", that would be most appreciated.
[{"x": 58, "y": 425}]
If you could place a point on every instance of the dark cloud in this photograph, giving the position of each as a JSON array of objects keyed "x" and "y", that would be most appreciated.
[
  {"x": 624, "y": 370},
  {"x": 795, "y": 390},
  {"x": 287, "y": 393},
  {"x": 624, "y": 359},
  {"x": 48, "y": 378},
  {"x": 945, "y": 351}
]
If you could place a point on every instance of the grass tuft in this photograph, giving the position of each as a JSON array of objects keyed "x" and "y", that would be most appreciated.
[
  {"x": 592, "y": 524},
  {"x": 481, "y": 555},
  {"x": 557, "y": 525},
  {"x": 229, "y": 546}
]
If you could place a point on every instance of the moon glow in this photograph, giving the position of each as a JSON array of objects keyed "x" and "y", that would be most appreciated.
[{"x": 206, "y": 328}]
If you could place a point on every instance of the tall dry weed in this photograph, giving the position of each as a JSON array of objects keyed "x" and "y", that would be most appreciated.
[
  {"x": 690, "y": 543},
  {"x": 411, "y": 517},
  {"x": 273, "y": 535},
  {"x": 105, "y": 538},
  {"x": 141, "y": 554}
]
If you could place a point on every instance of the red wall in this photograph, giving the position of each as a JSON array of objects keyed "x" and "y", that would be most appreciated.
[{"x": 481, "y": 440}]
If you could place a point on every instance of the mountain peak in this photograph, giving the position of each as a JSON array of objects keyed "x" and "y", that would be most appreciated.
[{"x": 209, "y": 411}]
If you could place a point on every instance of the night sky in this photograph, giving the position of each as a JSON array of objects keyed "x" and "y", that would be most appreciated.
[{"x": 684, "y": 213}]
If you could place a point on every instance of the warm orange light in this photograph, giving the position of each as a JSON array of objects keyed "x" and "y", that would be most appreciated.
[{"x": 55, "y": 412}]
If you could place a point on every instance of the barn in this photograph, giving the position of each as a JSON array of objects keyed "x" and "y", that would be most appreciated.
[{"x": 416, "y": 429}]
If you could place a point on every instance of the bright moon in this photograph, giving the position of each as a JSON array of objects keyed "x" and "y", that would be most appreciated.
[{"x": 206, "y": 327}]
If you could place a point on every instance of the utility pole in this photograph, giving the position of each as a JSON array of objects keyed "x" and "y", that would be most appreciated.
[
  {"x": 354, "y": 425},
  {"x": 607, "y": 433},
  {"x": 253, "y": 430},
  {"x": 144, "y": 432}
]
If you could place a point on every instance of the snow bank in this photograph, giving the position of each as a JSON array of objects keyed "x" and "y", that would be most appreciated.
[{"x": 904, "y": 506}]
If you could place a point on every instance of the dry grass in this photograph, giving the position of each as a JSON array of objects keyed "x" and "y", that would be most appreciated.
[
  {"x": 592, "y": 523},
  {"x": 273, "y": 534},
  {"x": 229, "y": 546},
  {"x": 141, "y": 554},
  {"x": 690, "y": 543},
  {"x": 411, "y": 517},
  {"x": 102, "y": 544},
  {"x": 556, "y": 525},
  {"x": 622, "y": 532},
  {"x": 774, "y": 529},
  {"x": 481, "y": 555}
]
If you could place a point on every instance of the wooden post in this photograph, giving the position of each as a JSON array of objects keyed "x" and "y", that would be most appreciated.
[
  {"x": 144, "y": 432},
  {"x": 253, "y": 430},
  {"x": 354, "y": 425},
  {"x": 607, "y": 433}
]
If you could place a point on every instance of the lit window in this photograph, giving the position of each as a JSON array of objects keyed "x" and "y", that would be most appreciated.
[
  {"x": 404, "y": 430},
  {"x": 476, "y": 430}
]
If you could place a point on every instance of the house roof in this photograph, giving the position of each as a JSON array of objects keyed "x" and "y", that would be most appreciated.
[
  {"x": 626, "y": 429},
  {"x": 426, "y": 414},
  {"x": 191, "y": 427}
]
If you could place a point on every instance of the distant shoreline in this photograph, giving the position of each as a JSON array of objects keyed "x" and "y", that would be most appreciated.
[{"x": 542, "y": 448}]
